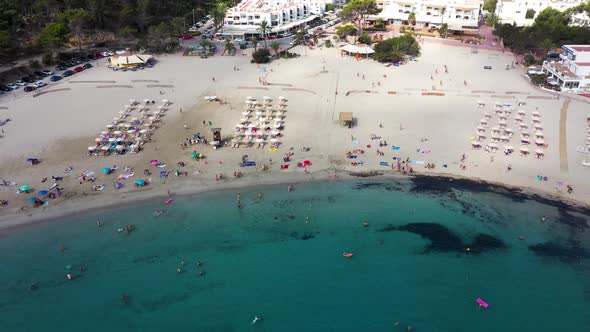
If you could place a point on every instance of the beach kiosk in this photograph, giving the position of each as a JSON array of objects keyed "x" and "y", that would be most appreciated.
[
  {"x": 345, "y": 119},
  {"x": 216, "y": 137}
]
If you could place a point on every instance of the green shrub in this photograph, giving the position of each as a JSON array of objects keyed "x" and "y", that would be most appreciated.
[
  {"x": 328, "y": 43},
  {"x": 261, "y": 56},
  {"x": 364, "y": 38},
  {"x": 529, "y": 59}
]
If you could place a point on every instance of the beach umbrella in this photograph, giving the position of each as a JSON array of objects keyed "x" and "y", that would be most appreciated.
[
  {"x": 475, "y": 143},
  {"x": 117, "y": 132},
  {"x": 127, "y": 106},
  {"x": 508, "y": 147},
  {"x": 504, "y": 138},
  {"x": 252, "y": 125},
  {"x": 275, "y": 132},
  {"x": 104, "y": 148},
  {"x": 98, "y": 139},
  {"x": 521, "y": 112},
  {"x": 25, "y": 188},
  {"x": 496, "y": 129},
  {"x": 278, "y": 125},
  {"x": 104, "y": 132},
  {"x": 259, "y": 140},
  {"x": 43, "y": 192},
  {"x": 92, "y": 148},
  {"x": 508, "y": 130},
  {"x": 245, "y": 113},
  {"x": 32, "y": 199},
  {"x": 539, "y": 133},
  {"x": 539, "y": 141},
  {"x": 120, "y": 147},
  {"x": 274, "y": 140},
  {"x": 484, "y": 121},
  {"x": 493, "y": 145},
  {"x": 106, "y": 170},
  {"x": 154, "y": 162},
  {"x": 140, "y": 182},
  {"x": 146, "y": 100},
  {"x": 539, "y": 151},
  {"x": 535, "y": 113},
  {"x": 110, "y": 126},
  {"x": 524, "y": 149}
]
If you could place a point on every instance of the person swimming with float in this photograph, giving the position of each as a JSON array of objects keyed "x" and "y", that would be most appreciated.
[{"x": 256, "y": 319}]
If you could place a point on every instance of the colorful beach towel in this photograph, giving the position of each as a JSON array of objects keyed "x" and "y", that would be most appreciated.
[
  {"x": 423, "y": 150},
  {"x": 417, "y": 162},
  {"x": 383, "y": 163},
  {"x": 395, "y": 148},
  {"x": 354, "y": 141},
  {"x": 250, "y": 163}
]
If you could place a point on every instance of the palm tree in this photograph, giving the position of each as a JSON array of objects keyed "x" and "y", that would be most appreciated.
[
  {"x": 275, "y": 45},
  {"x": 442, "y": 20},
  {"x": 229, "y": 47},
  {"x": 204, "y": 44},
  {"x": 264, "y": 31},
  {"x": 254, "y": 42},
  {"x": 412, "y": 18}
]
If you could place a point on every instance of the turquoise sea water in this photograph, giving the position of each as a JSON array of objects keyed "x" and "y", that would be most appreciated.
[{"x": 280, "y": 257}]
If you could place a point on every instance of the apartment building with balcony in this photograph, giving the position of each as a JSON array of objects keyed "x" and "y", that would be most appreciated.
[
  {"x": 572, "y": 71},
  {"x": 524, "y": 12},
  {"x": 459, "y": 15},
  {"x": 281, "y": 15}
]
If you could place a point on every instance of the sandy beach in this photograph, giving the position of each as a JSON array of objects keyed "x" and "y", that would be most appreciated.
[{"x": 389, "y": 103}]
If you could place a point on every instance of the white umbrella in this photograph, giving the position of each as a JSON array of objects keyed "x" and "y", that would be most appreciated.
[
  {"x": 480, "y": 127},
  {"x": 110, "y": 126},
  {"x": 252, "y": 125},
  {"x": 117, "y": 132},
  {"x": 249, "y": 133},
  {"x": 259, "y": 113},
  {"x": 152, "y": 118},
  {"x": 259, "y": 140},
  {"x": 246, "y": 113},
  {"x": 119, "y": 139},
  {"x": 112, "y": 139},
  {"x": 130, "y": 131},
  {"x": 504, "y": 138},
  {"x": 518, "y": 118},
  {"x": 143, "y": 131},
  {"x": 278, "y": 125},
  {"x": 539, "y": 141},
  {"x": 508, "y": 147},
  {"x": 481, "y": 135},
  {"x": 126, "y": 125},
  {"x": 524, "y": 149},
  {"x": 132, "y": 101},
  {"x": 274, "y": 140},
  {"x": 146, "y": 100},
  {"x": 521, "y": 112},
  {"x": 266, "y": 97},
  {"x": 493, "y": 145},
  {"x": 484, "y": 121},
  {"x": 249, "y": 97},
  {"x": 127, "y": 106},
  {"x": 119, "y": 147},
  {"x": 475, "y": 143},
  {"x": 508, "y": 130},
  {"x": 98, "y": 139},
  {"x": 92, "y": 148},
  {"x": 496, "y": 129},
  {"x": 538, "y": 126},
  {"x": 244, "y": 119},
  {"x": 281, "y": 98},
  {"x": 104, "y": 132},
  {"x": 164, "y": 101},
  {"x": 535, "y": 113},
  {"x": 104, "y": 148},
  {"x": 539, "y": 151},
  {"x": 539, "y": 133}
]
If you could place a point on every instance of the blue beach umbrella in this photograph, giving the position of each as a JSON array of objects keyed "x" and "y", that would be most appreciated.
[
  {"x": 32, "y": 199},
  {"x": 140, "y": 182},
  {"x": 106, "y": 170},
  {"x": 25, "y": 188},
  {"x": 43, "y": 192}
]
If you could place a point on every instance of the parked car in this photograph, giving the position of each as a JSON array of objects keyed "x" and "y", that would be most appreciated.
[
  {"x": 87, "y": 65},
  {"x": 193, "y": 29},
  {"x": 487, "y": 67},
  {"x": 47, "y": 72},
  {"x": 84, "y": 59},
  {"x": 78, "y": 69},
  {"x": 118, "y": 52},
  {"x": 27, "y": 79},
  {"x": 187, "y": 36},
  {"x": 39, "y": 84},
  {"x": 107, "y": 54},
  {"x": 20, "y": 82},
  {"x": 91, "y": 57},
  {"x": 271, "y": 37},
  {"x": 61, "y": 67},
  {"x": 55, "y": 78},
  {"x": 40, "y": 73},
  {"x": 67, "y": 73},
  {"x": 13, "y": 86},
  {"x": 29, "y": 88},
  {"x": 4, "y": 88}
]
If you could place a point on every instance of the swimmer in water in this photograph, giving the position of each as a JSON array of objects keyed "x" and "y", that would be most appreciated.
[
  {"x": 199, "y": 263},
  {"x": 365, "y": 223},
  {"x": 178, "y": 270},
  {"x": 543, "y": 219},
  {"x": 98, "y": 222},
  {"x": 260, "y": 195},
  {"x": 256, "y": 319},
  {"x": 290, "y": 189},
  {"x": 182, "y": 262}
]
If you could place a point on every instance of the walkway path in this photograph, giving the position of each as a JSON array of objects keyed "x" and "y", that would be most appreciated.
[{"x": 563, "y": 136}]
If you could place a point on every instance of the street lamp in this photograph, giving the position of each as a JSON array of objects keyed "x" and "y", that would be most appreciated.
[{"x": 194, "y": 22}]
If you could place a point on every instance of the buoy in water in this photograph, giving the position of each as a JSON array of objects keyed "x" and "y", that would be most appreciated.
[{"x": 347, "y": 254}]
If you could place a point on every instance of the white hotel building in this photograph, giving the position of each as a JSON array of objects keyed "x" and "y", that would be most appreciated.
[
  {"x": 515, "y": 11},
  {"x": 572, "y": 71},
  {"x": 281, "y": 15},
  {"x": 459, "y": 15}
]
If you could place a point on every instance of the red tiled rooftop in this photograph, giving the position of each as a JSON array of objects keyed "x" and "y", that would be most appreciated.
[{"x": 583, "y": 64}]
